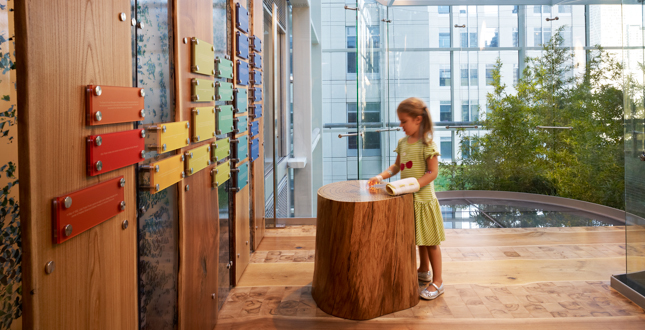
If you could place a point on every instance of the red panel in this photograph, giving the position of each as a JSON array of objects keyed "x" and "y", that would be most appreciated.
[
  {"x": 89, "y": 207},
  {"x": 116, "y": 150},
  {"x": 115, "y": 104}
]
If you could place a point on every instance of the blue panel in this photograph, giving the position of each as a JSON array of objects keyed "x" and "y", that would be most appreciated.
[
  {"x": 256, "y": 61},
  {"x": 241, "y": 18},
  {"x": 257, "y": 111},
  {"x": 242, "y": 45},
  {"x": 256, "y": 77},
  {"x": 241, "y": 100},
  {"x": 255, "y": 128},
  {"x": 242, "y": 73},
  {"x": 242, "y": 176},
  {"x": 256, "y": 94},
  {"x": 256, "y": 44},
  {"x": 255, "y": 149}
]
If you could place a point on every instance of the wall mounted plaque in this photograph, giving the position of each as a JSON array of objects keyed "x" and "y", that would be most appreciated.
[
  {"x": 165, "y": 137},
  {"x": 256, "y": 77},
  {"x": 202, "y": 57},
  {"x": 242, "y": 176},
  {"x": 83, "y": 209},
  {"x": 224, "y": 121},
  {"x": 223, "y": 91},
  {"x": 203, "y": 90},
  {"x": 242, "y": 45},
  {"x": 223, "y": 68},
  {"x": 256, "y": 94},
  {"x": 163, "y": 173},
  {"x": 221, "y": 149},
  {"x": 255, "y": 149},
  {"x": 255, "y": 128},
  {"x": 241, "y": 124},
  {"x": 203, "y": 123},
  {"x": 111, "y": 151},
  {"x": 256, "y": 60},
  {"x": 256, "y": 110},
  {"x": 241, "y": 148},
  {"x": 242, "y": 73},
  {"x": 241, "y": 100},
  {"x": 111, "y": 104},
  {"x": 241, "y": 18},
  {"x": 197, "y": 159},
  {"x": 256, "y": 44},
  {"x": 221, "y": 174}
]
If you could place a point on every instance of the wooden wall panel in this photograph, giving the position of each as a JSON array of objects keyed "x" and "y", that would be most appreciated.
[
  {"x": 64, "y": 45},
  {"x": 257, "y": 167},
  {"x": 198, "y": 206}
]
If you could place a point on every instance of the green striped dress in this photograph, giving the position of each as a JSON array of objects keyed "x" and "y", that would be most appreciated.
[{"x": 427, "y": 213}]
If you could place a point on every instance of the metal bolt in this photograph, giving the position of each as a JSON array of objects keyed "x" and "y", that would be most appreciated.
[
  {"x": 182, "y": 158},
  {"x": 98, "y": 91},
  {"x": 247, "y": 242},
  {"x": 195, "y": 82},
  {"x": 50, "y": 267},
  {"x": 122, "y": 182},
  {"x": 99, "y": 165},
  {"x": 183, "y": 174},
  {"x": 213, "y": 71},
  {"x": 143, "y": 154},
  {"x": 191, "y": 170},
  {"x": 163, "y": 128},
  {"x": 142, "y": 93},
  {"x": 191, "y": 154},
  {"x": 157, "y": 187},
  {"x": 142, "y": 113},
  {"x": 142, "y": 210},
  {"x": 156, "y": 168},
  {"x": 98, "y": 116},
  {"x": 68, "y": 202},
  {"x": 140, "y": 25},
  {"x": 163, "y": 147},
  {"x": 213, "y": 296},
  {"x": 238, "y": 255},
  {"x": 208, "y": 162},
  {"x": 98, "y": 141},
  {"x": 185, "y": 40},
  {"x": 122, "y": 205},
  {"x": 187, "y": 141},
  {"x": 196, "y": 67},
  {"x": 197, "y": 111},
  {"x": 133, "y": 22},
  {"x": 208, "y": 148},
  {"x": 68, "y": 230},
  {"x": 124, "y": 225},
  {"x": 197, "y": 138},
  {"x": 187, "y": 125},
  {"x": 195, "y": 98},
  {"x": 187, "y": 187},
  {"x": 122, "y": 17},
  {"x": 196, "y": 41}
]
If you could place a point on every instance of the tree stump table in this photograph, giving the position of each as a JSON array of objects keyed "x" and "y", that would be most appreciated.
[{"x": 365, "y": 263}]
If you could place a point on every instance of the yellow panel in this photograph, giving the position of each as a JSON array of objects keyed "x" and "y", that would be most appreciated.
[
  {"x": 165, "y": 173},
  {"x": 221, "y": 174},
  {"x": 167, "y": 136},
  {"x": 203, "y": 123},
  {"x": 203, "y": 57},
  {"x": 203, "y": 90},
  {"x": 197, "y": 159},
  {"x": 221, "y": 149}
]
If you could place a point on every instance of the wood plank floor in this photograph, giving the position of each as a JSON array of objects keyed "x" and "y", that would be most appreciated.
[{"x": 546, "y": 278}]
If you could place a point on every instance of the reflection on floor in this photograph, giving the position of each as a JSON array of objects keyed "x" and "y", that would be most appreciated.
[{"x": 533, "y": 278}]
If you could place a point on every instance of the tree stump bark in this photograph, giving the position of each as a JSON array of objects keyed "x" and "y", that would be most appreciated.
[{"x": 365, "y": 263}]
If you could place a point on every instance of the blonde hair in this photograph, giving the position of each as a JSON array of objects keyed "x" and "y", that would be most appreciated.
[{"x": 414, "y": 107}]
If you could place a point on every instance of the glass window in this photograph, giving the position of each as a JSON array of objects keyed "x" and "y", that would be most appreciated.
[
  {"x": 516, "y": 9},
  {"x": 444, "y": 9},
  {"x": 491, "y": 37},
  {"x": 474, "y": 79},
  {"x": 350, "y": 32},
  {"x": 566, "y": 36},
  {"x": 464, "y": 75},
  {"x": 564, "y": 9},
  {"x": 516, "y": 42},
  {"x": 371, "y": 114},
  {"x": 516, "y": 74},
  {"x": 546, "y": 9},
  {"x": 473, "y": 39},
  {"x": 546, "y": 34},
  {"x": 464, "y": 39},
  {"x": 446, "y": 148},
  {"x": 465, "y": 111},
  {"x": 537, "y": 9},
  {"x": 444, "y": 75},
  {"x": 445, "y": 111},
  {"x": 537, "y": 36},
  {"x": 444, "y": 37},
  {"x": 465, "y": 145},
  {"x": 489, "y": 74}
]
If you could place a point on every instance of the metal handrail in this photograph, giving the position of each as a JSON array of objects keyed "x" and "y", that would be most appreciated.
[
  {"x": 340, "y": 136},
  {"x": 460, "y": 26},
  {"x": 388, "y": 129},
  {"x": 554, "y": 127},
  {"x": 463, "y": 126},
  {"x": 351, "y": 8}
]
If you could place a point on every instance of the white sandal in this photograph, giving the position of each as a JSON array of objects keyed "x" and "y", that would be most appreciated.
[
  {"x": 425, "y": 276},
  {"x": 430, "y": 295}
]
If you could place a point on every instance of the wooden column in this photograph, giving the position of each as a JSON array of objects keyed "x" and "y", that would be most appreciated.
[{"x": 365, "y": 263}]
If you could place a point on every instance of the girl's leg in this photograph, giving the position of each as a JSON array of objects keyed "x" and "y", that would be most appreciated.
[
  {"x": 435, "y": 261},
  {"x": 425, "y": 259}
]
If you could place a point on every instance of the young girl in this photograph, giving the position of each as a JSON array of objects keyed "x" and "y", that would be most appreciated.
[{"x": 417, "y": 158}]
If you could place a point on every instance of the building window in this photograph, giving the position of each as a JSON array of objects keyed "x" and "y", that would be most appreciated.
[
  {"x": 516, "y": 74},
  {"x": 446, "y": 148},
  {"x": 516, "y": 9},
  {"x": 516, "y": 41},
  {"x": 473, "y": 39},
  {"x": 445, "y": 111},
  {"x": 444, "y": 10},
  {"x": 566, "y": 36},
  {"x": 469, "y": 76},
  {"x": 372, "y": 61},
  {"x": 350, "y": 32},
  {"x": 489, "y": 74},
  {"x": 444, "y": 38},
  {"x": 465, "y": 146},
  {"x": 444, "y": 75},
  {"x": 464, "y": 75},
  {"x": 564, "y": 9},
  {"x": 464, "y": 40},
  {"x": 371, "y": 140},
  {"x": 541, "y": 36},
  {"x": 469, "y": 110},
  {"x": 491, "y": 37}
]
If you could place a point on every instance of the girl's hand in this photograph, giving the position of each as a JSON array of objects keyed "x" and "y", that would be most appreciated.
[{"x": 374, "y": 180}]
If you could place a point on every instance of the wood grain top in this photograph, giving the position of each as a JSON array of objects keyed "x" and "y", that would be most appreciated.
[{"x": 353, "y": 191}]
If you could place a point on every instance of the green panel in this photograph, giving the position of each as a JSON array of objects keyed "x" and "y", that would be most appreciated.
[
  {"x": 203, "y": 90},
  {"x": 224, "y": 120},
  {"x": 242, "y": 176},
  {"x": 223, "y": 91},
  {"x": 223, "y": 68},
  {"x": 221, "y": 149},
  {"x": 242, "y": 148},
  {"x": 202, "y": 57},
  {"x": 241, "y": 100},
  {"x": 242, "y": 124},
  {"x": 222, "y": 174}
]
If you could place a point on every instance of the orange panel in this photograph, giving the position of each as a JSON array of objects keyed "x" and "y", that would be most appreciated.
[{"x": 111, "y": 105}]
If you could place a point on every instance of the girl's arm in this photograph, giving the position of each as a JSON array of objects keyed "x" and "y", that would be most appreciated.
[
  {"x": 385, "y": 174},
  {"x": 433, "y": 167}
]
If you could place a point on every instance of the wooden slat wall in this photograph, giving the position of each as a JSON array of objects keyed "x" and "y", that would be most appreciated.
[
  {"x": 64, "y": 45},
  {"x": 257, "y": 168},
  {"x": 198, "y": 202}
]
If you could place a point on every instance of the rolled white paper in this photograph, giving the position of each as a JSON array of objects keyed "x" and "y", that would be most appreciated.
[{"x": 404, "y": 186}]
